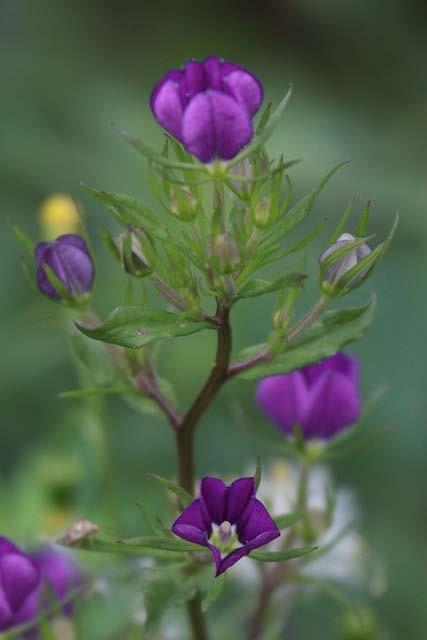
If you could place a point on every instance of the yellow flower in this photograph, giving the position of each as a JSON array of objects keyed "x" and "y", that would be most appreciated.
[{"x": 58, "y": 215}]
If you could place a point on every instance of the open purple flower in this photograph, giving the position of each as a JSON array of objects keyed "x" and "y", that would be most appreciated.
[
  {"x": 69, "y": 259},
  {"x": 322, "y": 399},
  {"x": 59, "y": 576},
  {"x": 19, "y": 579},
  {"x": 224, "y": 516},
  {"x": 208, "y": 106}
]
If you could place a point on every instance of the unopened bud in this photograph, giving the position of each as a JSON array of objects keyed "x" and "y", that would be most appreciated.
[
  {"x": 334, "y": 272},
  {"x": 137, "y": 252},
  {"x": 262, "y": 213},
  {"x": 183, "y": 203},
  {"x": 223, "y": 253}
]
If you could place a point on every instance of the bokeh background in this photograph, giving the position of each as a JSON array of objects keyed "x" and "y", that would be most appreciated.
[{"x": 68, "y": 69}]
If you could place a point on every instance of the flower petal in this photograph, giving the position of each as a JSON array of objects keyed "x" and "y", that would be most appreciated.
[
  {"x": 6, "y": 615},
  {"x": 167, "y": 107},
  {"x": 215, "y": 125},
  {"x": 213, "y": 67},
  {"x": 239, "y": 494},
  {"x": 19, "y": 577},
  {"x": 214, "y": 492},
  {"x": 339, "y": 362},
  {"x": 244, "y": 87},
  {"x": 256, "y": 524},
  {"x": 190, "y": 524},
  {"x": 334, "y": 404},
  {"x": 194, "y": 78},
  {"x": 283, "y": 398}
]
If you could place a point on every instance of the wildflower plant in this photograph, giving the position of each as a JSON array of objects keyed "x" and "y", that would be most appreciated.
[{"x": 225, "y": 210}]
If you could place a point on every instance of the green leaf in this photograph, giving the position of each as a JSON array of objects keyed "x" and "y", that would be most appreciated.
[
  {"x": 129, "y": 211},
  {"x": 91, "y": 392},
  {"x": 326, "y": 337},
  {"x": 341, "y": 226},
  {"x": 214, "y": 591},
  {"x": 265, "y": 133},
  {"x": 300, "y": 211},
  {"x": 146, "y": 548},
  {"x": 258, "y": 287},
  {"x": 155, "y": 157},
  {"x": 136, "y": 326},
  {"x": 280, "y": 556},
  {"x": 182, "y": 494},
  {"x": 160, "y": 542},
  {"x": 164, "y": 589},
  {"x": 289, "y": 519},
  {"x": 363, "y": 220},
  {"x": 24, "y": 240}
]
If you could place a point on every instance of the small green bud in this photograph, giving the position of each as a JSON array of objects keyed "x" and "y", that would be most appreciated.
[
  {"x": 183, "y": 203},
  {"x": 262, "y": 213},
  {"x": 223, "y": 254},
  {"x": 137, "y": 252}
]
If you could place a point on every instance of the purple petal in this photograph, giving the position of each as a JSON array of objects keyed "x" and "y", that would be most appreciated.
[
  {"x": 245, "y": 88},
  {"x": 334, "y": 404},
  {"x": 256, "y": 522},
  {"x": 239, "y": 493},
  {"x": 19, "y": 578},
  {"x": 231, "y": 559},
  {"x": 6, "y": 615},
  {"x": 176, "y": 76},
  {"x": 191, "y": 524},
  {"x": 283, "y": 398},
  {"x": 215, "y": 125},
  {"x": 41, "y": 249},
  {"x": 58, "y": 570},
  {"x": 214, "y": 492},
  {"x": 340, "y": 362},
  {"x": 216, "y": 556},
  {"x": 212, "y": 66},
  {"x": 68, "y": 257},
  {"x": 167, "y": 107},
  {"x": 194, "y": 78}
]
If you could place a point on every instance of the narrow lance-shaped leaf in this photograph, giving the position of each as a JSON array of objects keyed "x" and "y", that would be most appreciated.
[
  {"x": 280, "y": 556},
  {"x": 266, "y": 132},
  {"x": 287, "y": 520},
  {"x": 136, "y": 326},
  {"x": 182, "y": 494},
  {"x": 342, "y": 225},
  {"x": 214, "y": 591},
  {"x": 299, "y": 212},
  {"x": 326, "y": 337},
  {"x": 259, "y": 287}
]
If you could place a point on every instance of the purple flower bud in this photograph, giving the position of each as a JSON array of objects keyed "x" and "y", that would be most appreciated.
[
  {"x": 59, "y": 576},
  {"x": 208, "y": 106},
  {"x": 229, "y": 520},
  {"x": 69, "y": 259},
  {"x": 322, "y": 399},
  {"x": 347, "y": 262},
  {"x": 19, "y": 579}
]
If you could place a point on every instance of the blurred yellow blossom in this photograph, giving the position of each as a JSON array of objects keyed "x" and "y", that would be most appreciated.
[{"x": 58, "y": 215}]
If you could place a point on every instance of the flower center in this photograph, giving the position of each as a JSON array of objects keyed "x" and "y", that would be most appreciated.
[{"x": 224, "y": 536}]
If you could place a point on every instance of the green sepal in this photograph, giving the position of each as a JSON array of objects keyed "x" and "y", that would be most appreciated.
[
  {"x": 136, "y": 326},
  {"x": 342, "y": 225},
  {"x": 109, "y": 243},
  {"x": 362, "y": 225},
  {"x": 280, "y": 556},
  {"x": 258, "y": 472},
  {"x": 323, "y": 339},
  {"x": 183, "y": 495}
]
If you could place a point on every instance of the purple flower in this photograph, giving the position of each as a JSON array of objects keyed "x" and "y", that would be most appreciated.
[
  {"x": 224, "y": 516},
  {"x": 208, "y": 106},
  {"x": 19, "y": 579},
  {"x": 69, "y": 259},
  {"x": 322, "y": 399},
  {"x": 59, "y": 575}
]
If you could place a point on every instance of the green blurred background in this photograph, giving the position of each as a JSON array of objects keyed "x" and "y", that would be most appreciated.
[{"x": 68, "y": 69}]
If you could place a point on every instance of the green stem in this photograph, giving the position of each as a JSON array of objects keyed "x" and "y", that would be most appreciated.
[{"x": 308, "y": 319}]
